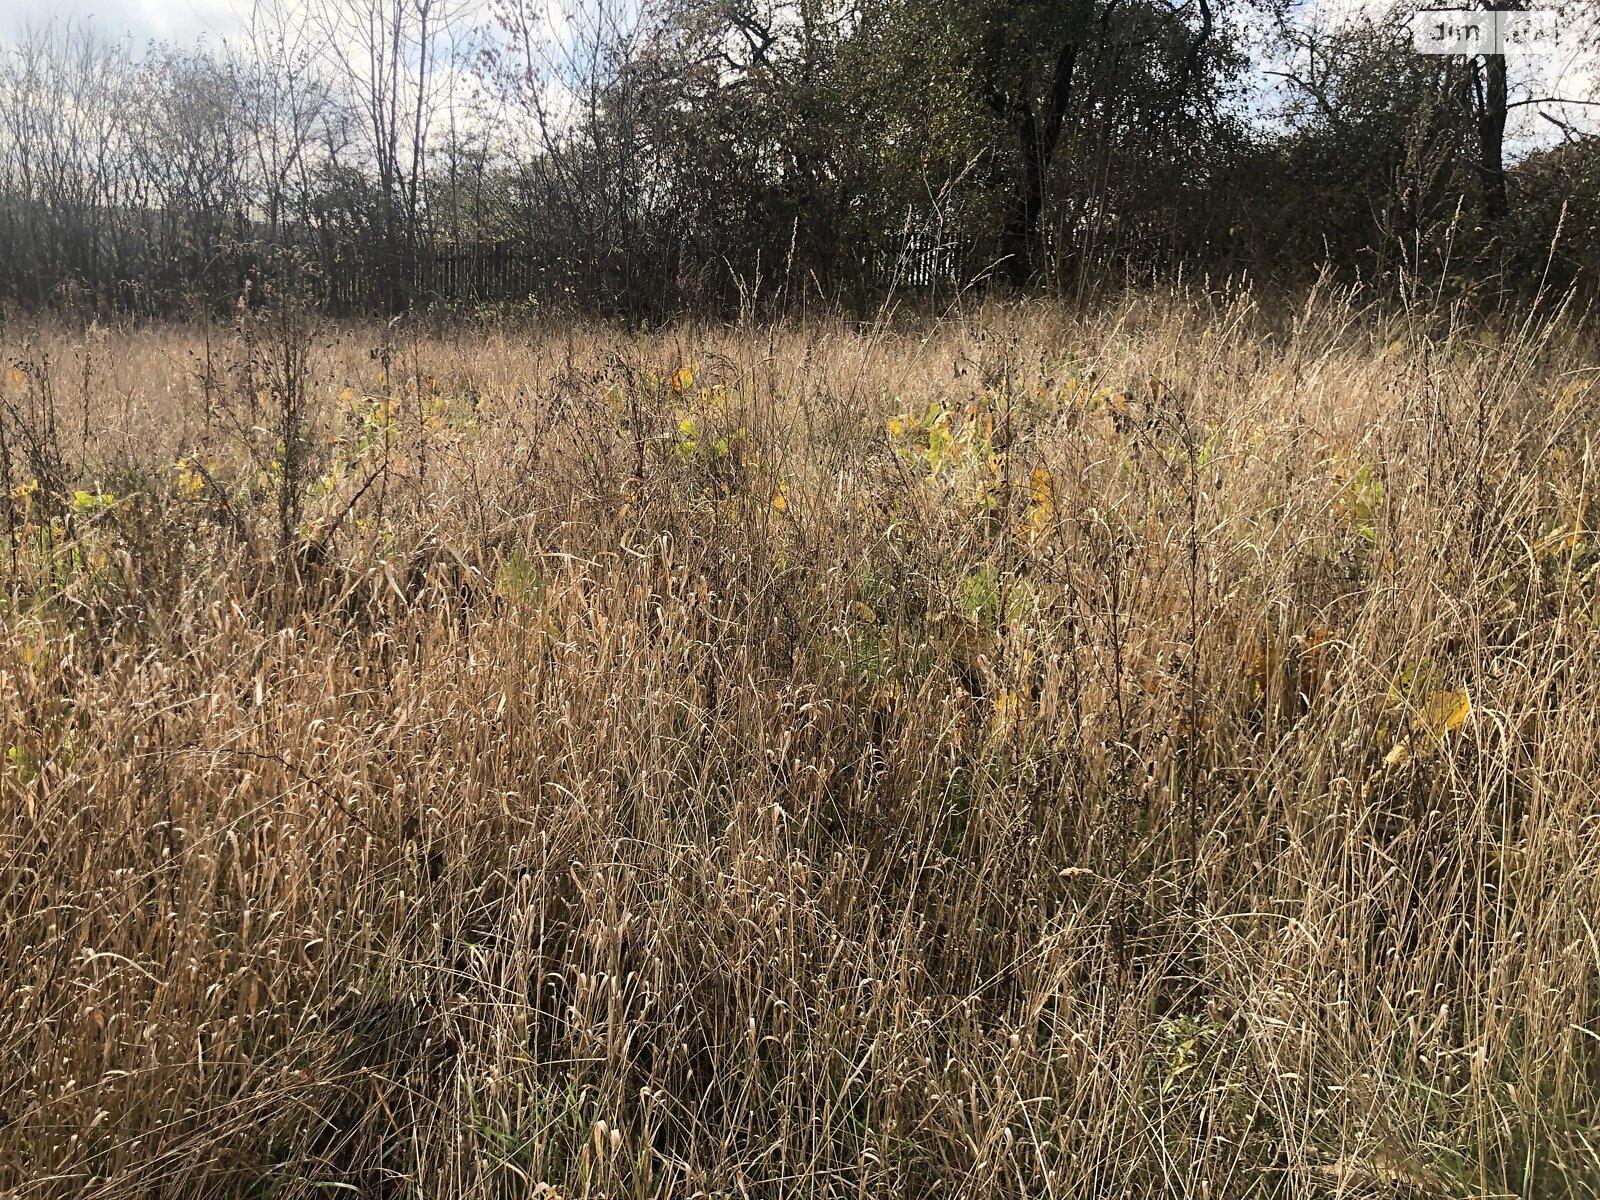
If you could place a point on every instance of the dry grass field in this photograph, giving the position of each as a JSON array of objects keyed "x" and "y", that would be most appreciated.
[{"x": 1145, "y": 752}]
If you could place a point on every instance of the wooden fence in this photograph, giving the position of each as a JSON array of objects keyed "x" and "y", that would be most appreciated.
[{"x": 504, "y": 272}]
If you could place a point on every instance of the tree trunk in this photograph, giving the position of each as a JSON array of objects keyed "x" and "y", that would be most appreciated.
[
  {"x": 1037, "y": 137},
  {"x": 1491, "y": 138},
  {"x": 1022, "y": 222}
]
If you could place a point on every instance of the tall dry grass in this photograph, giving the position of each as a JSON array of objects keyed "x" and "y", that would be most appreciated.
[{"x": 1151, "y": 752}]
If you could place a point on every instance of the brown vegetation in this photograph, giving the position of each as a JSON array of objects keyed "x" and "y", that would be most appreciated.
[{"x": 1143, "y": 753}]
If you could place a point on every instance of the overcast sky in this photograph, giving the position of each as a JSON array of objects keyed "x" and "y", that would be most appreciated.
[
  {"x": 185, "y": 21},
  {"x": 168, "y": 20}
]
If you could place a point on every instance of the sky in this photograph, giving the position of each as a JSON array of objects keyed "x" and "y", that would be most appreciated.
[
  {"x": 185, "y": 21},
  {"x": 1571, "y": 70},
  {"x": 180, "y": 21}
]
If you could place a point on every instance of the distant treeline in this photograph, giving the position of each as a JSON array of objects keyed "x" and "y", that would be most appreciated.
[{"x": 706, "y": 154}]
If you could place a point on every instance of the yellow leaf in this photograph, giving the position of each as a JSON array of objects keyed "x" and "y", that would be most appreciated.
[
  {"x": 1567, "y": 536},
  {"x": 84, "y": 501},
  {"x": 1266, "y": 668},
  {"x": 1042, "y": 509},
  {"x": 1008, "y": 713},
  {"x": 683, "y": 379},
  {"x": 1444, "y": 712},
  {"x": 1043, "y": 486},
  {"x": 191, "y": 483},
  {"x": 863, "y": 613},
  {"x": 780, "y": 499},
  {"x": 1399, "y": 754}
]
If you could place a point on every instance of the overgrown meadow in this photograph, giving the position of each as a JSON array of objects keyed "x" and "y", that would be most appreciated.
[{"x": 1132, "y": 752}]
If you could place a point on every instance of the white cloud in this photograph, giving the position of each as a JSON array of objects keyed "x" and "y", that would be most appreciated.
[
  {"x": 1574, "y": 71},
  {"x": 180, "y": 21},
  {"x": 1571, "y": 71}
]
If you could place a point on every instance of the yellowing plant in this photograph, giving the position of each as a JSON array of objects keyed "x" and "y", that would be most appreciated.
[
  {"x": 1360, "y": 498},
  {"x": 1041, "y": 502},
  {"x": 92, "y": 502},
  {"x": 1444, "y": 712},
  {"x": 190, "y": 482},
  {"x": 943, "y": 437}
]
